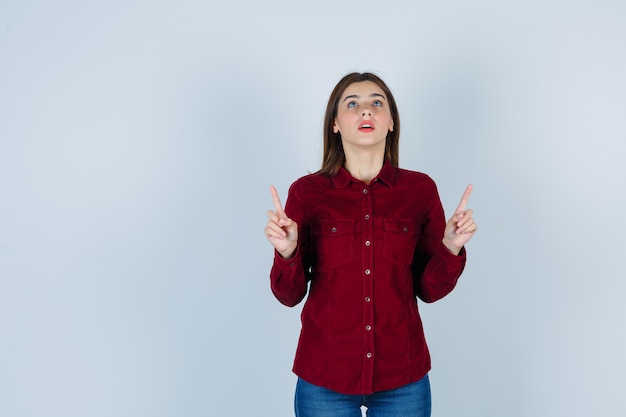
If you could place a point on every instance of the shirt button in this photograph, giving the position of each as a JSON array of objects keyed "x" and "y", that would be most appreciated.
[
  {"x": 367, "y": 243},
  {"x": 406, "y": 229},
  {"x": 369, "y": 355},
  {"x": 367, "y": 272},
  {"x": 334, "y": 229},
  {"x": 368, "y": 327},
  {"x": 367, "y": 299},
  {"x": 365, "y": 191},
  {"x": 367, "y": 217}
]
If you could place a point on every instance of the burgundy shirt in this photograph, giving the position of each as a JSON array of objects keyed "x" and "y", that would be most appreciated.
[{"x": 367, "y": 252}]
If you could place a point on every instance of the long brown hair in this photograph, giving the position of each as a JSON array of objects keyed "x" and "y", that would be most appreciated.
[{"x": 334, "y": 156}]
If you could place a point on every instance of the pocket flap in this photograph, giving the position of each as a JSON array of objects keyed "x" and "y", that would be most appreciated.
[
  {"x": 402, "y": 226},
  {"x": 335, "y": 227}
]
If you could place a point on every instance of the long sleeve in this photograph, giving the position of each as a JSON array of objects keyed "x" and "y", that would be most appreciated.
[
  {"x": 435, "y": 270},
  {"x": 289, "y": 277}
]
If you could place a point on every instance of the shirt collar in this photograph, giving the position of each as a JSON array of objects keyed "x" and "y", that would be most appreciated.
[{"x": 386, "y": 176}]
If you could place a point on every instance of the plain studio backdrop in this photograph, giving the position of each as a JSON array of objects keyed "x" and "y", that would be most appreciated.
[{"x": 138, "y": 141}]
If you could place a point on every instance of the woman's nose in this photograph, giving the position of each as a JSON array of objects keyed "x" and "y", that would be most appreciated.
[{"x": 366, "y": 112}]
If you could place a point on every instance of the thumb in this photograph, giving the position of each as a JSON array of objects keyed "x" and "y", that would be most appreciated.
[
  {"x": 284, "y": 221},
  {"x": 288, "y": 224}
]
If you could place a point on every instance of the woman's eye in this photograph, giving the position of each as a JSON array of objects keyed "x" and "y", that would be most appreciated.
[
  {"x": 378, "y": 103},
  {"x": 352, "y": 104}
]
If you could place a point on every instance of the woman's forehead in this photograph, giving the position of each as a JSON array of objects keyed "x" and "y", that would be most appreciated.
[{"x": 363, "y": 89}]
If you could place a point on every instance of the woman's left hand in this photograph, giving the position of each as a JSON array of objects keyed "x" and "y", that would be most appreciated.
[{"x": 461, "y": 226}]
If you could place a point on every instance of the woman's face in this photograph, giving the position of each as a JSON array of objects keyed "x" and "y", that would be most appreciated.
[{"x": 363, "y": 116}]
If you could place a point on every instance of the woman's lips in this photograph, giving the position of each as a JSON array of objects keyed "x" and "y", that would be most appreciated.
[{"x": 366, "y": 126}]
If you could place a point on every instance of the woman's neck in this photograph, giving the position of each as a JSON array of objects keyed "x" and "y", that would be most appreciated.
[{"x": 364, "y": 166}]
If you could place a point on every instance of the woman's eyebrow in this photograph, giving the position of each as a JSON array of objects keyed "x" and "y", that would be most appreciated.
[{"x": 358, "y": 97}]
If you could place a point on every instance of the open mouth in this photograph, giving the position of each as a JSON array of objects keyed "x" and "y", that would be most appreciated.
[{"x": 366, "y": 127}]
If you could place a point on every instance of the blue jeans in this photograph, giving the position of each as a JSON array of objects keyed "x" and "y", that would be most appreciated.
[{"x": 412, "y": 400}]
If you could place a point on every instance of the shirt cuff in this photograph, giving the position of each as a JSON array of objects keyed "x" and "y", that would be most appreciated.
[
  {"x": 449, "y": 256},
  {"x": 287, "y": 263}
]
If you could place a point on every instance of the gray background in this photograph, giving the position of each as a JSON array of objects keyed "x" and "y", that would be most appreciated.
[{"x": 138, "y": 141}]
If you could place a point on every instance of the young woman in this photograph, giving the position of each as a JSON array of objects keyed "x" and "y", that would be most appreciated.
[{"x": 365, "y": 238}]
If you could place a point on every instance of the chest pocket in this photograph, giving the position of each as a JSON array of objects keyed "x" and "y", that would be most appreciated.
[
  {"x": 400, "y": 239},
  {"x": 334, "y": 242}
]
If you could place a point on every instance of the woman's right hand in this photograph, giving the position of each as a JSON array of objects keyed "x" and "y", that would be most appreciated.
[{"x": 281, "y": 231}]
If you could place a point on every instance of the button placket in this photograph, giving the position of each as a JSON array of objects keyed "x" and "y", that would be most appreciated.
[{"x": 367, "y": 266}]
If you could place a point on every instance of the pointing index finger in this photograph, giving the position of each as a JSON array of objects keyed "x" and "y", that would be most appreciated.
[
  {"x": 464, "y": 200},
  {"x": 277, "y": 205}
]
